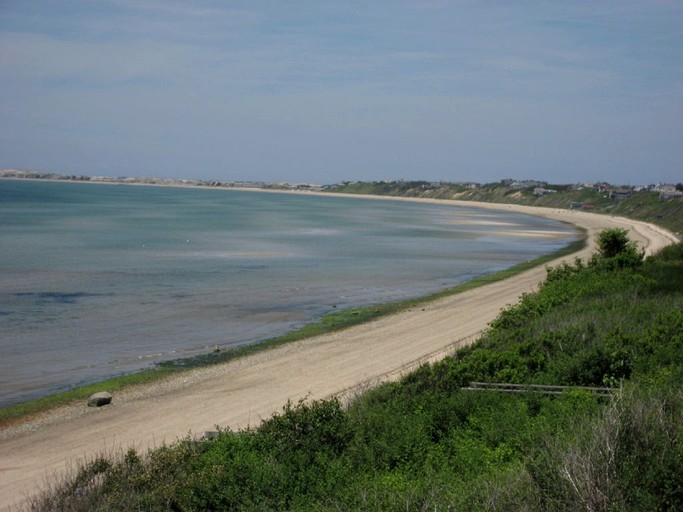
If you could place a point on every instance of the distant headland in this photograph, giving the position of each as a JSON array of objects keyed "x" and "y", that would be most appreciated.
[{"x": 173, "y": 182}]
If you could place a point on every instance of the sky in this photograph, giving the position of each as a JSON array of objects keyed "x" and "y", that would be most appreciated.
[{"x": 323, "y": 91}]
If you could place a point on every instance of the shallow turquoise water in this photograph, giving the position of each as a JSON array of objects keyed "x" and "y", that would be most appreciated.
[{"x": 98, "y": 280}]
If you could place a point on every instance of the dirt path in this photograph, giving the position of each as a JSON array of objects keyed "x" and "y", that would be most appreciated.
[{"x": 240, "y": 393}]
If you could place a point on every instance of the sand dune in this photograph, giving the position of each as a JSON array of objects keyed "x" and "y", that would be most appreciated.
[{"x": 240, "y": 393}]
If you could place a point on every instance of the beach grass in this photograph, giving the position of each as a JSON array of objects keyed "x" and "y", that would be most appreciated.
[{"x": 331, "y": 322}]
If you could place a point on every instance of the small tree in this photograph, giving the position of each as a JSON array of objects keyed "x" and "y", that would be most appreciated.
[
  {"x": 612, "y": 242},
  {"x": 617, "y": 249}
]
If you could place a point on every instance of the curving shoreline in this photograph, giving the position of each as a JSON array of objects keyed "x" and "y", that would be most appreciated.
[
  {"x": 241, "y": 392},
  {"x": 161, "y": 284}
]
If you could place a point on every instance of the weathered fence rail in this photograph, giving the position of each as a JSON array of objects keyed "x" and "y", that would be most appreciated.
[{"x": 534, "y": 388}]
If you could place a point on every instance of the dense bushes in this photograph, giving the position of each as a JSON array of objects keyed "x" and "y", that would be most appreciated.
[
  {"x": 425, "y": 444},
  {"x": 628, "y": 457}
]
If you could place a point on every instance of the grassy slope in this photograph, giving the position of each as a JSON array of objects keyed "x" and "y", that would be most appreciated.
[
  {"x": 642, "y": 205},
  {"x": 425, "y": 444}
]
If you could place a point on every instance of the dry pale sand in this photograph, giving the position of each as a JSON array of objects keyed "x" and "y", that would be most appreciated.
[{"x": 241, "y": 393}]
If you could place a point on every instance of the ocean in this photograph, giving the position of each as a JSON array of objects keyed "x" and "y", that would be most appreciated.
[{"x": 100, "y": 280}]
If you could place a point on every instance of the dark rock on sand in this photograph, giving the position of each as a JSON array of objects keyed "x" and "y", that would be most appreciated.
[{"x": 99, "y": 399}]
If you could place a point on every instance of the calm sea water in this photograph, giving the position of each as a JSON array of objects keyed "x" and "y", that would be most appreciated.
[{"x": 98, "y": 280}]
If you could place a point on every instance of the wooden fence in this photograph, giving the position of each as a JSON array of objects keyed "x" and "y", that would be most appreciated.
[{"x": 535, "y": 388}]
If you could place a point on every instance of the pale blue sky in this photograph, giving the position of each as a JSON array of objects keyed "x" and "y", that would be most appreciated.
[{"x": 323, "y": 91}]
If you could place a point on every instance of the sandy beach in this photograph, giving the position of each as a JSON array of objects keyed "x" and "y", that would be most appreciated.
[{"x": 241, "y": 393}]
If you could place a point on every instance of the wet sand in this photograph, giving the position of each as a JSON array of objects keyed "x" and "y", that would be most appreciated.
[{"x": 241, "y": 393}]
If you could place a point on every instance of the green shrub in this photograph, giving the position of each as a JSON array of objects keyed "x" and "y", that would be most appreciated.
[
  {"x": 616, "y": 250},
  {"x": 423, "y": 443},
  {"x": 629, "y": 458}
]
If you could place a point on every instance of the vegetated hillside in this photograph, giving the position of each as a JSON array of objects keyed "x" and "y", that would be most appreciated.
[
  {"x": 642, "y": 205},
  {"x": 425, "y": 443},
  {"x": 646, "y": 206}
]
